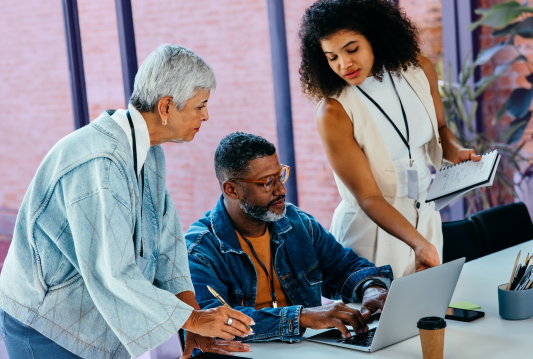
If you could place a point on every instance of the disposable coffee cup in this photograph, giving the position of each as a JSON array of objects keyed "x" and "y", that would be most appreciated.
[{"x": 432, "y": 337}]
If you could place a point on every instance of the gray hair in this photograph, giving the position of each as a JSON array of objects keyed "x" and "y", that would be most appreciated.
[{"x": 171, "y": 70}]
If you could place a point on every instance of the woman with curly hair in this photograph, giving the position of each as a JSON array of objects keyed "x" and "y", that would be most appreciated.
[{"x": 379, "y": 116}]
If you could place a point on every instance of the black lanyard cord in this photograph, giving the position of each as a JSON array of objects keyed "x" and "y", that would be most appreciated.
[
  {"x": 270, "y": 277},
  {"x": 405, "y": 141},
  {"x": 134, "y": 145}
]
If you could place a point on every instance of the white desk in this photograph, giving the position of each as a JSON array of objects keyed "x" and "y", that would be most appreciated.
[{"x": 488, "y": 337}]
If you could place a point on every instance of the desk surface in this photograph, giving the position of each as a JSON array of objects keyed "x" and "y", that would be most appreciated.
[{"x": 488, "y": 337}]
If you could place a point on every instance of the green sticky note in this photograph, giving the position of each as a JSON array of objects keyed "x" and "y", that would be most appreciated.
[{"x": 464, "y": 305}]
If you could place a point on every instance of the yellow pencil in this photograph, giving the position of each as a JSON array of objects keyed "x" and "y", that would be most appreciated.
[{"x": 217, "y": 296}]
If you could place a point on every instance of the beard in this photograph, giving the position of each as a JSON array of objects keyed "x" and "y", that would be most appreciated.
[{"x": 262, "y": 213}]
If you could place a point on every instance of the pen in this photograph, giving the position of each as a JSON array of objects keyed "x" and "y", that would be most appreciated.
[{"x": 217, "y": 296}]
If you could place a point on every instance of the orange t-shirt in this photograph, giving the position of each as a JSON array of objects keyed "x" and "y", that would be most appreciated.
[{"x": 263, "y": 298}]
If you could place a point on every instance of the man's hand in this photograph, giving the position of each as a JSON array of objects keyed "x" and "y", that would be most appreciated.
[
  {"x": 336, "y": 315},
  {"x": 213, "y": 323},
  {"x": 211, "y": 345},
  {"x": 373, "y": 299},
  {"x": 426, "y": 256}
]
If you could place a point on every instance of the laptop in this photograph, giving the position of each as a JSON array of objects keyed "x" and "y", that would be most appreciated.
[{"x": 423, "y": 294}]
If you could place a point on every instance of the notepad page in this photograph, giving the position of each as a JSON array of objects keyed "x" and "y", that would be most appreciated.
[
  {"x": 451, "y": 199},
  {"x": 463, "y": 175}
]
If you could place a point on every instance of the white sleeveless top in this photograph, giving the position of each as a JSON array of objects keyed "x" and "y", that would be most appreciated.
[{"x": 420, "y": 128}]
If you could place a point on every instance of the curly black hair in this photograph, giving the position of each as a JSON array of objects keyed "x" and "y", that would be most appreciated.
[
  {"x": 393, "y": 37},
  {"x": 236, "y": 150}
]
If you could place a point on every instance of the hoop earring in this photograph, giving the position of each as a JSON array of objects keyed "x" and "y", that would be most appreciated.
[{"x": 164, "y": 122}]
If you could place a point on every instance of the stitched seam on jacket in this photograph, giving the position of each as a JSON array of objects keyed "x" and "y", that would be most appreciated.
[
  {"x": 347, "y": 279},
  {"x": 197, "y": 242},
  {"x": 64, "y": 330}
]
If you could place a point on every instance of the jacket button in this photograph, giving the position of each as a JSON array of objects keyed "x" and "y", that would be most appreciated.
[
  {"x": 247, "y": 298},
  {"x": 417, "y": 204}
]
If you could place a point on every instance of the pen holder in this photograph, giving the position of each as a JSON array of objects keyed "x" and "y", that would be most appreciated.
[{"x": 515, "y": 305}]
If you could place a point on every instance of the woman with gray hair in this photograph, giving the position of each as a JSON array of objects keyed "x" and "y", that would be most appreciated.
[{"x": 98, "y": 265}]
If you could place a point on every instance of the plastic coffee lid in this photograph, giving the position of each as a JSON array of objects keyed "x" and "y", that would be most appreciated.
[{"x": 431, "y": 323}]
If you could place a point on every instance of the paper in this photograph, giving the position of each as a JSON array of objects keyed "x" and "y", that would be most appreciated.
[
  {"x": 451, "y": 199},
  {"x": 464, "y": 305},
  {"x": 463, "y": 176}
]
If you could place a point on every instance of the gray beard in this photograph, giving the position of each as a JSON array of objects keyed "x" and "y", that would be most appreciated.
[{"x": 261, "y": 213}]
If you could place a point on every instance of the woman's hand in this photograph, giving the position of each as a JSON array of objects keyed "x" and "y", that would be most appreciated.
[
  {"x": 465, "y": 155},
  {"x": 214, "y": 323},
  {"x": 426, "y": 256},
  {"x": 211, "y": 345}
]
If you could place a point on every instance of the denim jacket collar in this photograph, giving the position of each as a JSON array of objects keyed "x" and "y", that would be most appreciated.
[{"x": 223, "y": 228}]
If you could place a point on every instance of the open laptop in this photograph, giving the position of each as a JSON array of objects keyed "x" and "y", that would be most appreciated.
[{"x": 423, "y": 294}]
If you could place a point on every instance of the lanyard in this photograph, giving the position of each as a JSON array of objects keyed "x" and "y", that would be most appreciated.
[
  {"x": 134, "y": 145},
  {"x": 270, "y": 277},
  {"x": 405, "y": 141}
]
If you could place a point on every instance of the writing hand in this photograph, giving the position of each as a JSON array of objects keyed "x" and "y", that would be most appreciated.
[{"x": 213, "y": 323}]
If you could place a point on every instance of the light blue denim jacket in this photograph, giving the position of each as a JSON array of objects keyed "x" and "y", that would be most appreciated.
[{"x": 73, "y": 270}]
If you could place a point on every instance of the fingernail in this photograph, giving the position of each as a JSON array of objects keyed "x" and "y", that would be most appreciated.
[
  {"x": 253, "y": 323},
  {"x": 251, "y": 332},
  {"x": 348, "y": 335}
]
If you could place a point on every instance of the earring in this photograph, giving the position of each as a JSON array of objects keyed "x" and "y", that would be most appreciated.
[{"x": 164, "y": 122}]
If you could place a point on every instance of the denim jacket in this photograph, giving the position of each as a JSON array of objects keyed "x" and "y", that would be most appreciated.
[
  {"x": 74, "y": 271},
  {"x": 308, "y": 261}
]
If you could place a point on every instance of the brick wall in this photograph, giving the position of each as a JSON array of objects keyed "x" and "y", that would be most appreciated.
[
  {"x": 426, "y": 14},
  {"x": 231, "y": 35},
  {"x": 514, "y": 77}
]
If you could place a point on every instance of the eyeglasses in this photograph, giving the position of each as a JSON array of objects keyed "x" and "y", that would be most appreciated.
[{"x": 270, "y": 181}]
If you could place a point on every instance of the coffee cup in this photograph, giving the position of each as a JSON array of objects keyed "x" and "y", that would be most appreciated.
[{"x": 432, "y": 337}]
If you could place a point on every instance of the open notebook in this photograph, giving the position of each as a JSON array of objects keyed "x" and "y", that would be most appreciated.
[{"x": 453, "y": 181}]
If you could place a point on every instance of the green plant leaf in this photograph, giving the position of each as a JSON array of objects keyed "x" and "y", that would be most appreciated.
[
  {"x": 487, "y": 54},
  {"x": 508, "y": 4},
  {"x": 519, "y": 101},
  {"x": 496, "y": 19},
  {"x": 500, "y": 113},
  {"x": 523, "y": 28},
  {"x": 516, "y": 129},
  {"x": 485, "y": 82}
]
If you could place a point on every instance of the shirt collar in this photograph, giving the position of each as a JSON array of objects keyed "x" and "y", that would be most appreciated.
[{"x": 142, "y": 136}]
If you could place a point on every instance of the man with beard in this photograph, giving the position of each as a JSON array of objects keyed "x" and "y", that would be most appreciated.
[{"x": 271, "y": 260}]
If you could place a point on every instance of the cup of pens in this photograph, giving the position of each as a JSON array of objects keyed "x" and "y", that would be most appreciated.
[{"x": 515, "y": 299}]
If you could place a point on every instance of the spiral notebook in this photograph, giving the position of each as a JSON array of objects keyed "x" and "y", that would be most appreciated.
[{"x": 452, "y": 182}]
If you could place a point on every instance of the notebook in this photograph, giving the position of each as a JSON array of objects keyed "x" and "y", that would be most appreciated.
[{"x": 452, "y": 182}]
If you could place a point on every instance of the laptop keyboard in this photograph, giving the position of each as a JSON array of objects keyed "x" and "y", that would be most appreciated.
[{"x": 361, "y": 340}]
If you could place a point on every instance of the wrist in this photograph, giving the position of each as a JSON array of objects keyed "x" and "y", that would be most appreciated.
[
  {"x": 304, "y": 316},
  {"x": 419, "y": 243},
  {"x": 191, "y": 322}
]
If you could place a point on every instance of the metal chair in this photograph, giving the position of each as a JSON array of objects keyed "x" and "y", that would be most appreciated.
[
  {"x": 461, "y": 239},
  {"x": 504, "y": 226}
]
